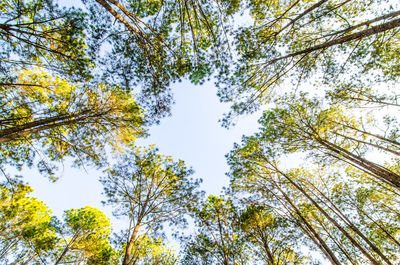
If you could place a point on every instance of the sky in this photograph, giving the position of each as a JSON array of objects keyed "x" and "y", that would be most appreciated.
[{"x": 192, "y": 133}]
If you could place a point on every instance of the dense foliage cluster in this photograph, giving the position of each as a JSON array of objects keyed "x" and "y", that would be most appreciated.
[{"x": 318, "y": 183}]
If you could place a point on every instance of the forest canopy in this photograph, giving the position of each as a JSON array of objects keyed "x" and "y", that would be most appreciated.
[{"x": 317, "y": 183}]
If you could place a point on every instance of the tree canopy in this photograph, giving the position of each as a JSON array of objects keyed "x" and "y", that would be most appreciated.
[{"x": 317, "y": 183}]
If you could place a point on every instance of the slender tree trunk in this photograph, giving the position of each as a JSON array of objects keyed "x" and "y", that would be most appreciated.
[
  {"x": 390, "y": 177},
  {"x": 264, "y": 242},
  {"x": 117, "y": 16},
  {"x": 315, "y": 237},
  {"x": 354, "y": 36},
  {"x": 332, "y": 206},
  {"x": 16, "y": 132},
  {"x": 269, "y": 253},
  {"x": 226, "y": 260},
  {"x": 338, "y": 244},
  {"x": 129, "y": 246},
  {"x": 335, "y": 223},
  {"x": 368, "y": 143},
  {"x": 370, "y": 134},
  {"x": 381, "y": 227},
  {"x": 66, "y": 249},
  {"x": 309, "y": 10}
]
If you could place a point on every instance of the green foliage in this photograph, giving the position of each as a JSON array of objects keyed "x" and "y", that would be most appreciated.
[
  {"x": 26, "y": 225},
  {"x": 328, "y": 134},
  {"x": 218, "y": 239},
  {"x": 77, "y": 84},
  {"x": 30, "y": 235},
  {"x": 154, "y": 44},
  {"x": 41, "y": 33},
  {"x": 291, "y": 45},
  {"x": 48, "y": 115},
  {"x": 271, "y": 235},
  {"x": 86, "y": 234},
  {"x": 59, "y": 63},
  {"x": 150, "y": 190},
  {"x": 319, "y": 202},
  {"x": 149, "y": 250}
]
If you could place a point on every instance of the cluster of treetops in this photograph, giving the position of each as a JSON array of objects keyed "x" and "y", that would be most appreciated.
[{"x": 318, "y": 183}]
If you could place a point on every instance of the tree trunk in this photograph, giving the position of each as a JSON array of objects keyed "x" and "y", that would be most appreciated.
[
  {"x": 315, "y": 237},
  {"x": 354, "y": 36},
  {"x": 129, "y": 246},
  {"x": 388, "y": 176},
  {"x": 335, "y": 223},
  {"x": 18, "y": 131}
]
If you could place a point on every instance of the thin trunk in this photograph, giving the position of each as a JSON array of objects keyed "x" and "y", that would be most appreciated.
[
  {"x": 222, "y": 240},
  {"x": 309, "y": 10},
  {"x": 67, "y": 248},
  {"x": 354, "y": 36},
  {"x": 373, "y": 101},
  {"x": 381, "y": 227},
  {"x": 129, "y": 246},
  {"x": 378, "y": 178},
  {"x": 351, "y": 225},
  {"x": 10, "y": 134},
  {"x": 117, "y": 16},
  {"x": 315, "y": 237},
  {"x": 370, "y": 134},
  {"x": 368, "y": 143},
  {"x": 333, "y": 221},
  {"x": 338, "y": 244},
  {"x": 391, "y": 177},
  {"x": 131, "y": 15},
  {"x": 366, "y": 23},
  {"x": 266, "y": 247},
  {"x": 5, "y": 249}
]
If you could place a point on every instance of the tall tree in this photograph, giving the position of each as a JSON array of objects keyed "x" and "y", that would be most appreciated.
[
  {"x": 306, "y": 198},
  {"x": 156, "y": 43},
  {"x": 303, "y": 125},
  {"x": 149, "y": 190},
  {"x": 48, "y": 116},
  {"x": 85, "y": 234},
  {"x": 27, "y": 233},
  {"x": 150, "y": 250},
  {"x": 40, "y": 33},
  {"x": 355, "y": 42},
  {"x": 218, "y": 239},
  {"x": 272, "y": 236}
]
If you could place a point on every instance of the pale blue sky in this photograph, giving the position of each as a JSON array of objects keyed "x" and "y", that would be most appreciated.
[{"x": 192, "y": 133}]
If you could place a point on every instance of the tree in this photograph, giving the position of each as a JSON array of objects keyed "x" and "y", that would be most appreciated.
[
  {"x": 52, "y": 107},
  {"x": 272, "y": 236},
  {"x": 30, "y": 235},
  {"x": 85, "y": 235},
  {"x": 47, "y": 115},
  {"x": 355, "y": 42},
  {"x": 150, "y": 250},
  {"x": 149, "y": 190},
  {"x": 27, "y": 233},
  {"x": 218, "y": 239},
  {"x": 306, "y": 198},
  {"x": 153, "y": 44},
  {"x": 303, "y": 125},
  {"x": 94, "y": 56},
  {"x": 41, "y": 33},
  {"x": 254, "y": 179}
]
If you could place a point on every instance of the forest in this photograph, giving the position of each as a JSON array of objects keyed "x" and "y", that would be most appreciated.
[{"x": 84, "y": 83}]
